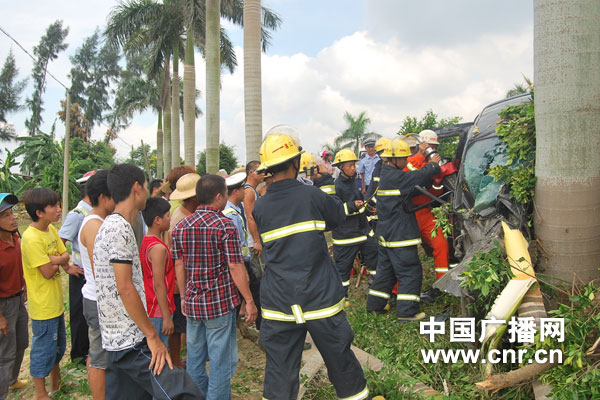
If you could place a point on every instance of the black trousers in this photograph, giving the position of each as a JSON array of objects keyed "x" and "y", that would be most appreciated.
[
  {"x": 400, "y": 265},
  {"x": 284, "y": 342},
  {"x": 79, "y": 328},
  {"x": 344, "y": 258},
  {"x": 255, "y": 290},
  {"x": 128, "y": 377}
]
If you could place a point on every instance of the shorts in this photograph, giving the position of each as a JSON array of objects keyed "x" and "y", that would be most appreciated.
[
  {"x": 157, "y": 322},
  {"x": 179, "y": 320},
  {"x": 48, "y": 345},
  {"x": 98, "y": 356}
]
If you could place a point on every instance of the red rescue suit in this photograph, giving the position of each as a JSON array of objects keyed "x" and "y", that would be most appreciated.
[{"x": 426, "y": 221}]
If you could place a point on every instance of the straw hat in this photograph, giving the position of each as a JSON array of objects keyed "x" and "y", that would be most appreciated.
[{"x": 186, "y": 187}]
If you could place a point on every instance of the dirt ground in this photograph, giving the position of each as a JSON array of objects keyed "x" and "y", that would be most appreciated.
[{"x": 247, "y": 383}]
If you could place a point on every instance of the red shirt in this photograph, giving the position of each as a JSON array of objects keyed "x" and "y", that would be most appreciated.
[
  {"x": 208, "y": 242},
  {"x": 151, "y": 301},
  {"x": 11, "y": 268}
]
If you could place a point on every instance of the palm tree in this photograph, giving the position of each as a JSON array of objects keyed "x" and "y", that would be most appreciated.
[
  {"x": 520, "y": 88},
  {"x": 355, "y": 133},
  {"x": 152, "y": 28},
  {"x": 567, "y": 195},
  {"x": 213, "y": 78},
  {"x": 175, "y": 143},
  {"x": 189, "y": 101},
  {"x": 252, "y": 78}
]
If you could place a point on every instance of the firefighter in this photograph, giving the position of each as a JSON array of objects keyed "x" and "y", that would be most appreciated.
[
  {"x": 399, "y": 235},
  {"x": 355, "y": 234},
  {"x": 426, "y": 221},
  {"x": 370, "y": 196},
  {"x": 301, "y": 289}
]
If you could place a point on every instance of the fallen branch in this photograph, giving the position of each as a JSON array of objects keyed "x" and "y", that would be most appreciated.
[{"x": 515, "y": 377}]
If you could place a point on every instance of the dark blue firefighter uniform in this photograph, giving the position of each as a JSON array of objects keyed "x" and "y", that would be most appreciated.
[
  {"x": 354, "y": 233},
  {"x": 301, "y": 291},
  {"x": 398, "y": 234}
]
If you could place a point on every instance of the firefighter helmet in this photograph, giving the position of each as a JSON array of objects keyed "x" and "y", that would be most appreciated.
[
  {"x": 412, "y": 139},
  {"x": 308, "y": 161},
  {"x": 382, "y": 143},
  {"x": 429, "y": 136},
  {"x": 280, "y": 145},
  {"x": 399, "y": 148},
  {"x": 343, "y": 156}
]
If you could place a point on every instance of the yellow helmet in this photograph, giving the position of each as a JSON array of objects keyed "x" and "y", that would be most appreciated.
[
  {"x": 307, "y": 161},
  {"x": 343, "y": 156},
  {"x": 398, "y": 148},
  {"x": 382, "y": 143},
  {"x": 279, "y": 146}
]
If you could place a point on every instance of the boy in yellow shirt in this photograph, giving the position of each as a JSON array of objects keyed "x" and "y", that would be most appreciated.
[{"x": 43, "y": 253}]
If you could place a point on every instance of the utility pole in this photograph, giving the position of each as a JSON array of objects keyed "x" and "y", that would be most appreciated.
[{"x": 66, "y": 160}]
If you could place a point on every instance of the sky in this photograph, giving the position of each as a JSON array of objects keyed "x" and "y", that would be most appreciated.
[{"x": 390, "y": 58}]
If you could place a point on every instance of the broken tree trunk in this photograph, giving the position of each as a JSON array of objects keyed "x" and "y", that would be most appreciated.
[{"x": 515, "y": 377}]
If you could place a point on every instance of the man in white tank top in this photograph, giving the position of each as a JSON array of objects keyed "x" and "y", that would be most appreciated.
[{"x": 102, "y": 205}]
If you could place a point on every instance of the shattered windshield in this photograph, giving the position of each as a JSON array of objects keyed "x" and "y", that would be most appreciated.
[{"x": 480, "y": 157}]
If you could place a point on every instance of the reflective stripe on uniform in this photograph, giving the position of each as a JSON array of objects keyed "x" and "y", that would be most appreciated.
[
  {"x": 437, "y": 187},
  {"x": 374, "y": 199},
  {"x": 372, "y": 233},
  {"x": 408, "y": 297},
  {"x": 377, "y": 293},
  {"x": 375, "y": 179},
  {"x": 441, "y": 270},
  {"x": 391, "y": 192},
  {"x": 363, "y": 394},
  {"x": 299, "y": 316},
  {"x": 371, "y": 271},
  {"x": 348, "y": 213},
  {"x": 358, "y": 239},
  {"x": 411, "y": 167},
  {"x": 401, "y": 243},
  {"x": 346, "y": 283},
  {"x": 453, "y": 265},
  {"x": 231, "y": 210},
  {"x": 372, "y": 217},
  {"x": 300, "y": 227},
  {"x": 329, "y": 189}
]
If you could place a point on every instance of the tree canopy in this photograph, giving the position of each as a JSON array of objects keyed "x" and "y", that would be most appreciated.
[
  {"x": 52, "y": 43},
  {"x": 95, "y": 69},
  {"x": 10, "y": 92},
  {"x": 227, "y": 159}
]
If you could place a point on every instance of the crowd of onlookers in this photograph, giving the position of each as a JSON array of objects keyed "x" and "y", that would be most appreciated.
[{"x": 152, "y": 266}]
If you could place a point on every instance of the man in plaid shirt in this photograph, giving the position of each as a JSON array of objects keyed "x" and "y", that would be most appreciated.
[{"x": 209, "y": 266}]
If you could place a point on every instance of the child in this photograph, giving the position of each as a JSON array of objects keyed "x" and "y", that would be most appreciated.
[
  {"x": 157, "y": 267},
  {"x": 43, "y": 252}
]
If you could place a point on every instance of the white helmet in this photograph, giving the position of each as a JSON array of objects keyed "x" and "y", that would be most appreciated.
[{"x": 428, "y": 136}]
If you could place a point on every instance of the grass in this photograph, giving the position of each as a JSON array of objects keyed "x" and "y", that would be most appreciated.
[{"x": 398, "y": 346}]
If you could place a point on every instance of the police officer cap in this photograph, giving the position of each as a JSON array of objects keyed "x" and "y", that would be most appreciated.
[
  {"x": 235, "y": 180},
  {"x": 369, "y": 142}
]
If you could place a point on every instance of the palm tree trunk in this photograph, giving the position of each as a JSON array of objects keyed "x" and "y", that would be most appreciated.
[
  {"x": 175, "y": 144},
  {"x": 213, "y": 73},
  {"x": 159, "y": 148},
  {"x": 252, "y": 78},
  {"x": 189, "y": 100},
  {"x": 166, "y": 100},
  {"x": 567, "y": 115}
]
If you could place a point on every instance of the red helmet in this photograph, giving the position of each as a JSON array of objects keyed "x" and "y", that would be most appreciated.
[{"x": 325, "y": 153}]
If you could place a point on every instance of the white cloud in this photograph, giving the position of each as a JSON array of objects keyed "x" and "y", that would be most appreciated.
[
  {"x": 384, "y": 74},
  {"x": 388, "y": 80}
]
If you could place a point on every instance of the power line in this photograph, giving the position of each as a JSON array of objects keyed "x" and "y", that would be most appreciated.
[{"x": 32, "y": 57}]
